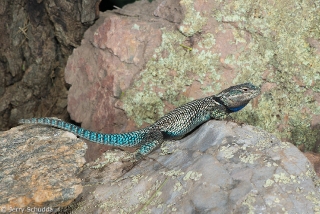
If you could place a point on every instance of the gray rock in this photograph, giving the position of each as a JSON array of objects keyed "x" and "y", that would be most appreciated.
[
  {"x": 39, "y": 167},
  {"x": 220, "y": 168}
]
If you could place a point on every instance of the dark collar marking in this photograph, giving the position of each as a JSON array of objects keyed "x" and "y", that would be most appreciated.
[{"x": 234, "y": 109}]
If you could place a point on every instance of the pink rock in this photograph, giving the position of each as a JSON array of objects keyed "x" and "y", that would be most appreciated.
[
  {"x": 112, "y": 53},
  {"x": 176, "y": 51}
]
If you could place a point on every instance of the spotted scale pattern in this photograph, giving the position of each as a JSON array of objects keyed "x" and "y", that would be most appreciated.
[
  {"x": 175, "y": 124},
  {"x": 125, "y": 139}
]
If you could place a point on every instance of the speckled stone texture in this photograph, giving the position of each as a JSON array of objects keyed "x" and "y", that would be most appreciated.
[
  {"x": 222, "y": 167},
  {"x": 141, "y": 61},
  {"x": 36, "y": 39},
  {"x": 39, "y": 167}
]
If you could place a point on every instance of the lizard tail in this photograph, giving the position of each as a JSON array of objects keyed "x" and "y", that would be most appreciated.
[{"x": 129, "y": 139}]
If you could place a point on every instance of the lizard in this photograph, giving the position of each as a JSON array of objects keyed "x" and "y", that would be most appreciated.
[{"x": 174, "y": 125}]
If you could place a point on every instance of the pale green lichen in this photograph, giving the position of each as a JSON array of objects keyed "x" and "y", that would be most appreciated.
[
  {"x": 135, "y": 27},
  {"x": 228, "y": 151},
  {"x": 281, "y": 146},
  {"x": 276, "y": 52},
  {"x": 207, "y": 41},
  {"x": 177, "y": 187},
  {"x": 284, "y": 178},
  {"x": 151, "y": 197},
  {"x": 271, "y": 164},
  {"x": 279, "y": 51},
  {"x": 249, "y": 200},
  {"x": 249, "y": 158},
  {"x": 314, "y": 198},
  {"x": 268, "y": 183},
  {"x": 193, "y": 20},
  {"x": 108, "y": 158},
  {"x": 136, "y": 179},
  {"x": 172, "y": 173},
  {"x": 169, "y": 72},
  {"x": 191, "y": 175},
  {"x": 166, "y": 147},
  {"x": 310, "y": 173}
]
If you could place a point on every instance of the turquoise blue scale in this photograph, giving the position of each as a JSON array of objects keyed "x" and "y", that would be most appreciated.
[
  {"x": 146, "y": 148},
  {"x": 46, "y": 121},
  {"x": 93, "y": 136},
  {"x": 54, "y": 122},
  {"x": 99, "y": 137},
  {"x": 60, "y": 124},
  {"x": 67, "y": 126},
  {"x": 125, "y": 139},
  {"x": 86, "y": 134},
  {"x": 79, "y": 131},
  {"x": 74, "y": 129}
]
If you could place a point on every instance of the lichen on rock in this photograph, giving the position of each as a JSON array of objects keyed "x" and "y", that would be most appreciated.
[{"x": 279, "y": 52}]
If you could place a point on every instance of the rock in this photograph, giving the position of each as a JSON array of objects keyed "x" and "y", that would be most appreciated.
[
  {"x": 39, "y": 168},
  {"x": 112, "y": 53},
  {"x": 169, "y": 10},
  {"x": 35, "y": 41},
  {"x": 219, "y": 168},
  {"x": 141, "y": 61},
  {"x": 314, "y": 158}
]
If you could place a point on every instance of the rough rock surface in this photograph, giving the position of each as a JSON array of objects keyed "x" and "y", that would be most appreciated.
[
  {"x": 39, "y": 168},
  {"x": 111, "y": 54},
  {"x": 221, "y": 167},
  {"x": 314, "y": 158},
  {"x": 35, "y": 41},
  {"x": 137, "y": 63}
]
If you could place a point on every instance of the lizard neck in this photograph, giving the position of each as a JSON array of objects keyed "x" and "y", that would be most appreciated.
[
  {"x": 229, "y": 109},
  {"x": 238, "y": 108}
]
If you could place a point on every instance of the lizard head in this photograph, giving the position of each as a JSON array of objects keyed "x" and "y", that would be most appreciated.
[{"x": 238, "y": 96}]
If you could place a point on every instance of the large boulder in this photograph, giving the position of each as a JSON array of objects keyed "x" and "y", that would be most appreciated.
[
  {"x": 38, "y": 168},
  {"x": 222, "y": 167},
  {"x": 137, "y": 63},
  {"x": 36, "y": 40}
]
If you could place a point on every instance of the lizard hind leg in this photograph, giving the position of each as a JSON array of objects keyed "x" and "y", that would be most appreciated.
[{"x": 155, "y": 139}]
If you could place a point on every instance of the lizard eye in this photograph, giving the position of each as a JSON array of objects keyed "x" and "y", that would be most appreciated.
[{"x": 245, "y": 89}]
